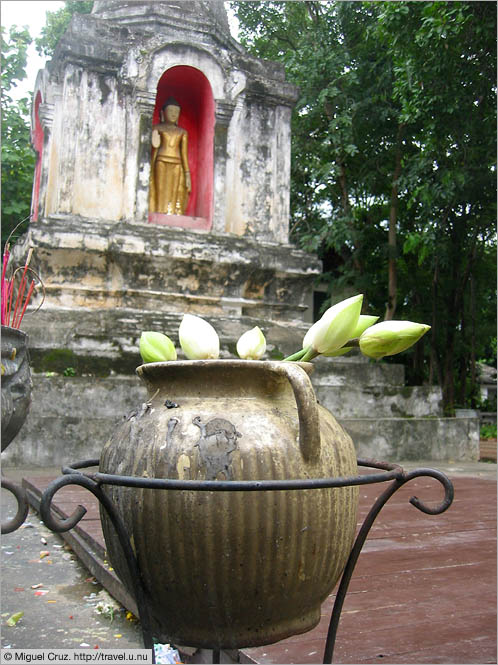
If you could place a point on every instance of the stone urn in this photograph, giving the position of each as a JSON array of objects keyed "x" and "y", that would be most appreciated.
[
  {"x": 16, "y": 382},
  {"x": 232, "y": 569}
]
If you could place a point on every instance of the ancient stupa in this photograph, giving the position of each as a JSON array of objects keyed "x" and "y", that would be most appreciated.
[{"x": 114, "y": 266}]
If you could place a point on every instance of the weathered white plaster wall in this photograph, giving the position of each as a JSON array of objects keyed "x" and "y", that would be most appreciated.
[
  {"x": 173, "y": 55},
  {"x": 258, "y": 170},
  {"x": 89, "y": 170}
]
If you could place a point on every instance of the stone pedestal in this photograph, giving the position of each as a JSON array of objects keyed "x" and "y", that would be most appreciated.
[{"x": 105, "y": 283}]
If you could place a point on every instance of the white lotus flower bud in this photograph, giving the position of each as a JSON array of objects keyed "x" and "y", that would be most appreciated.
[
  {"x": 198, "y": 339},
  {"x": 390, "y": 337},
  {"x": 335, "y": 327},
  {"x": 252, "y": 344},
  {"x": 364, "y": 322},
  {"x": 155, "y": 347}
]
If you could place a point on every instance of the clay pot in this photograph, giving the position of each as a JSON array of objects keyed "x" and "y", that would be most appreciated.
[
  {"x": 232, "y": 569},
  {"x": 16, "y": 383}
]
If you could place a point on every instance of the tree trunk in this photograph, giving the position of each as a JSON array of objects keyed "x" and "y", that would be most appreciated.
[
  {"x": 346, "y": 206},
  {"x": 463, "y": 362},
  {"x": 434, "y": 367},
  {"x": 391, "y": 239},
  {"x": 449, "y": 382},
  {"x": 460, "y": 274},
  {"x": 473, "y": 366}
]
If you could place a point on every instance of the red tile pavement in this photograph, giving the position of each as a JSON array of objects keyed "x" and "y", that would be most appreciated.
[{"x": 424, "y": 589}]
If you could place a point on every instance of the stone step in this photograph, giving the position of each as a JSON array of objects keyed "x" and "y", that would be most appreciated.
[
  {"x": 82, "y": 396},
  {"x": 381, "y": 401},
  {"x": 102, "y": 341},
  {"x": 392, "y": 439},
  {"x": 99, "y": 342},
  {"x": 355, "y": 369},
  {"x": 114, "y": 396},
  {"x": 71, "y": 418},
  {"x": 48, "y": 440}
]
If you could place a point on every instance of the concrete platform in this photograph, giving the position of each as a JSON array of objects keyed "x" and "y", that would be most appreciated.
[{"x": 424, "y": 589}]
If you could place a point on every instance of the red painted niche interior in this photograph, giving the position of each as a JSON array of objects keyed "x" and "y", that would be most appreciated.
[{"x": 192, "y": 91}]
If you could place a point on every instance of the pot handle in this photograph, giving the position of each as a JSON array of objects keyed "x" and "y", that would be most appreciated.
[{"x": 307, "y": 408}]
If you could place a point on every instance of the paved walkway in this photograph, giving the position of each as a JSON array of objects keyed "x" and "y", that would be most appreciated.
[
  {"x": 57, "y": 594},
  {"x": 424, "y": 590}
]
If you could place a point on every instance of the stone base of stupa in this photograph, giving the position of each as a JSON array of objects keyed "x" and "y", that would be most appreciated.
[{"x": 105, "y": 283}]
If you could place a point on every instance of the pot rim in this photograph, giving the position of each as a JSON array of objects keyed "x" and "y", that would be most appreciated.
[
  {"x": 10, "y": 330},
  {"x": 238, "y": 363}
]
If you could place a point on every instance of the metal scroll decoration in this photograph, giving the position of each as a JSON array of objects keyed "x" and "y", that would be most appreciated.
[
  {"x": 94, "y": 482},
  {"x": 22, "y": 506}
]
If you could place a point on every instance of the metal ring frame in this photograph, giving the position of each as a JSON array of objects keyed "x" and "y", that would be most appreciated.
[{"x": 94, "y": 482}]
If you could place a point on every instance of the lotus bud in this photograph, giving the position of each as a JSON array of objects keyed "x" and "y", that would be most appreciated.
[
  {"x": 198, "y": 339},
  {"x": 155, "y": 347},
  {"x": 335, "y": 327},
  {"x": 338, "y": 352},
  {"x": 252, "y": 344},
  {"x": 390, "y": 337},
  {"x": 364, "y": 322}
]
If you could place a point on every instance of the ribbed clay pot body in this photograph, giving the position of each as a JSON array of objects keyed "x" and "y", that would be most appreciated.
[
  {"x": 16, "y": 382},
  {"x": 232, "y": 569}
]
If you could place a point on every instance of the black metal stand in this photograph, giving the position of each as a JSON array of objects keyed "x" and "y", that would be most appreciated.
[
  {"x": 22, "y": 506},
  {"x": 94, "y": 482}
]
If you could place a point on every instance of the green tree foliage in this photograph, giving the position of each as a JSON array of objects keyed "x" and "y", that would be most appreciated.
[
  {"x": 57, "y": 22},
  {"x": 393, "y": 172},
  {"x": 18, "y": 158},
  {"x": 445, "y": 85}
]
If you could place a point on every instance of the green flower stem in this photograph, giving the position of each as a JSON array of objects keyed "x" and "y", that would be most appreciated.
[
  {"x": 296, "y": 356},
  {"x": 305, "y": 355},
  {"x": 309, "y": 355}
]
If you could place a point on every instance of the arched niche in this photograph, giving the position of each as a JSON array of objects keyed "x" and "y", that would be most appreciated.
[
  {"x": 37, "y": 140},
  {"x": 190, "y": 87}
]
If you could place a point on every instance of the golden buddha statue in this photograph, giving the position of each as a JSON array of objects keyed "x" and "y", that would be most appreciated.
[{"x": 170, "y": 182}]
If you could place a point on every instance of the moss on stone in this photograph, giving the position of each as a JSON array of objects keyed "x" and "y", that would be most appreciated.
[
  {"x": 59, "y": 360},
  {"x": 232, "y": 349},
  {"x": 276, "y": 354}
]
